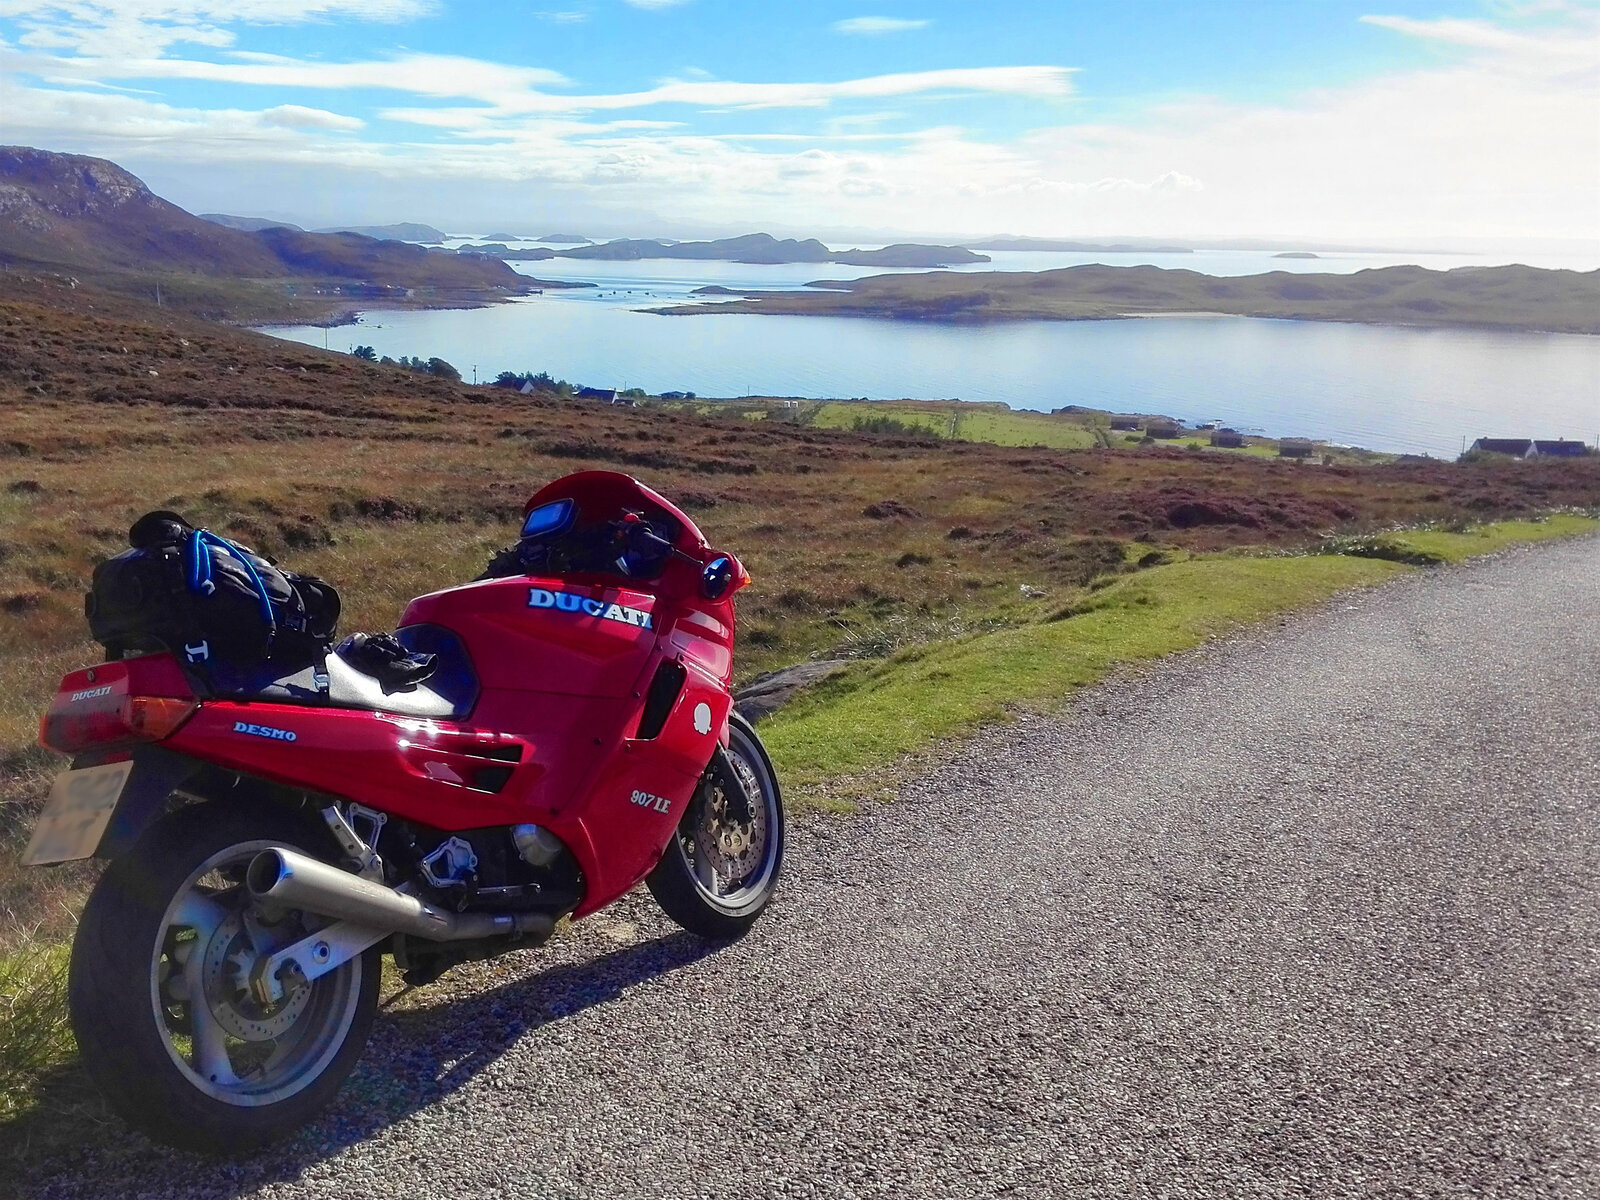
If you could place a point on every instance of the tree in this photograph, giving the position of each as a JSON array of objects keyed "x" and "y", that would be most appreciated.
[{"x": 366, "y": 353}]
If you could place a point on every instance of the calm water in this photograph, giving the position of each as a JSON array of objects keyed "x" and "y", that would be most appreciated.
[{"x": 1418, "y": 391}]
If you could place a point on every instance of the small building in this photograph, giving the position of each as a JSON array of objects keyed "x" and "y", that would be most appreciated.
[
  {"x": 1232, "y": 439},
  {"x": 1166, "y": 430},
  {"x": 1560, "y": 448},
  {"x": 527, "y": 388},
  {"x": 1531, "y": 447},
  {"x": 1295, "y": 448},
  {"x": 1124, "y": 422},
  {"x": 1515, "y": 447},
  {"x": 604, "y": 395}
]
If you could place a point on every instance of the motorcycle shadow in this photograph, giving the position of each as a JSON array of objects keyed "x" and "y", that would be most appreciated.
[{"x": 415, "y": 1058}]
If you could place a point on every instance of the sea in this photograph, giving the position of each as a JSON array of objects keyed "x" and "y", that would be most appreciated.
[{"x": 1402, "y": 390}]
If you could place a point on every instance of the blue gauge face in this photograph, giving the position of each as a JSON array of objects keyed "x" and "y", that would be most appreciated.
[
  {"x": 549, "y": 519},
  {"x": 716, "y": 578}
]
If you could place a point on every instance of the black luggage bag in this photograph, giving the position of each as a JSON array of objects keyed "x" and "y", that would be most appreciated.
[{"x": 210, "y": 601}]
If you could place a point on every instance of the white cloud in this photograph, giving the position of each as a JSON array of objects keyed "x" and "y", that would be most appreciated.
[
  {"x": 654, "y": 4},
  {"x": 295, "y": 116},
  {"x": 434, "y": 75},
  {"x": 1496, "y": 137},
  {"x": 872, "y": 25},
  {"x": 145, "y": 27}
]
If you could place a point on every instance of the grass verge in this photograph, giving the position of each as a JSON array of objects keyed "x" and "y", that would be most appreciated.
[{"x": 828, "y": 744}]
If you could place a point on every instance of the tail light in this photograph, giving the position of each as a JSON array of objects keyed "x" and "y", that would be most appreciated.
[{"x": 107, "y": 722}]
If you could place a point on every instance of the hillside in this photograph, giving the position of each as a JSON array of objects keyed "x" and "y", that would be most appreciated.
[
  {"x": 91, "y": 218},
  {"x": 765, "y": 249},
  {"x": 1513, "y": 297}
]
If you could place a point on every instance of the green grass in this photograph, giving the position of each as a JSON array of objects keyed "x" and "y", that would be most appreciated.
[
  {"x": 33, "y": 1016},
  {"x": 964, "y": 422},
  {"x": 1486, "y": 539}
]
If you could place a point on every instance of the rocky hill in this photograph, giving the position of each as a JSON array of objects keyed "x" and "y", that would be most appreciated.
[{"x": 89, "y": 217}]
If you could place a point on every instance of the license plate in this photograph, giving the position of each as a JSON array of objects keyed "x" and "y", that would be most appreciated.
[{"x": 77, "y": 813}]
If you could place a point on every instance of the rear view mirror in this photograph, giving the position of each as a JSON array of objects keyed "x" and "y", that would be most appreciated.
[{"x": 721, "y": 577}]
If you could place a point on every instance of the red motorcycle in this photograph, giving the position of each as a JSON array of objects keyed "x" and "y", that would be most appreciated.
[{"x": 576, "y": 736}]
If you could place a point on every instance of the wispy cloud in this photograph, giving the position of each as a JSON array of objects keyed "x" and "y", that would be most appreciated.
[
  {"x": 1573, "y": 44},
  {"x": 654, "y": 4},
  {"x": 872, "y": 25},
  {"x": 142, "y": 27},
  {"x": 296, "y": 116}
]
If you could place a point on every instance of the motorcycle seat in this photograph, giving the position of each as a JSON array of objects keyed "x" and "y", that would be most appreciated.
[
  {"x": 349, "y": 687},
  {"x": 448, "y": 694},
  {"x": 339, "y": 684}
]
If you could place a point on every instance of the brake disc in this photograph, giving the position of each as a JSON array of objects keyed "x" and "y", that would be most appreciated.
[{"x": 230, "y": 955}]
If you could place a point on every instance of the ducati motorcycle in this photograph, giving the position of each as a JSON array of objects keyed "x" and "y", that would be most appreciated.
[{"x": 576, "y": 736}]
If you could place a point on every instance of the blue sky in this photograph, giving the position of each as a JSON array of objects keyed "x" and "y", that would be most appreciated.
[{"x": 1381, "y": 120}]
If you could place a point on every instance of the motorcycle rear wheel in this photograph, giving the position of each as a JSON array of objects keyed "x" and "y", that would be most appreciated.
[
  {"x": 690, "y": 882},
  {"x": 165, "y": 1026}
]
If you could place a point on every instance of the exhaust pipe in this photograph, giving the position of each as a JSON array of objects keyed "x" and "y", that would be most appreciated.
[{"x": 285, "y": 878}]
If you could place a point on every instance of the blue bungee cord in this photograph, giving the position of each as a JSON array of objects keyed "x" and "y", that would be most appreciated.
[{"x": 201, "y": 543}]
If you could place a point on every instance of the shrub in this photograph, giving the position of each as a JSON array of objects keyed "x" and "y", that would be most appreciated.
[
  {"x": 34, "y": 1034},
  {"x": 1387, "y": 546}
]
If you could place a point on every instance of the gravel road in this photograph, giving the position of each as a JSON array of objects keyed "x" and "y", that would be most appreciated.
[{"x": 1312, "y": 913}]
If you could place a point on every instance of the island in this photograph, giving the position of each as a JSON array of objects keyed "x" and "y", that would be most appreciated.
[
  {"x": 1057, "y": 245},
  {"x": 404, "y": 231},
  {"x": 1296, "y": 254},
  {"x": 764, "y": 249},
  {"x": 562, "y": 239},
  {"x": 248, "y": 224},
  {"x": 1509, "y": 297}
]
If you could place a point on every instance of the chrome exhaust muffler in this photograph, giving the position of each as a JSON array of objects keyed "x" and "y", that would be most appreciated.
[{"x": 284, "y": 878}]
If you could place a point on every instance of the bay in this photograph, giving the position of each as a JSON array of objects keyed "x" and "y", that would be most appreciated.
[{"x": 1420, "y": 391}]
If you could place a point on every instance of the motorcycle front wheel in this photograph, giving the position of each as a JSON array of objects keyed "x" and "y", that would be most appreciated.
[
  {"x": 721, "y": 868},
  {"x": 159, "y": 996}
]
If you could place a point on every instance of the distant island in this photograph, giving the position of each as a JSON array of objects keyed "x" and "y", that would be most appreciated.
[
  {"x": 1297, "y": 254},
  {"x": 92, "y": 220},
  {"x": 763, "y": 248},
  {"x": 501, "y": 251},
  {"x": 248, "y": 224},
  {"x": 404, "y": 231},
  {"x": 1054, "y": 245},
  {"x": 562, "y": 239},
  {"x": 1512, "y": 297}
]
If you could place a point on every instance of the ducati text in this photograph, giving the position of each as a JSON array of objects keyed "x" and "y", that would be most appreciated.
[{"x": 571, "y": 603}]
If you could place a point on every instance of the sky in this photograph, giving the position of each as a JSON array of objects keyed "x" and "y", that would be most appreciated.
[{"x": 1362, "y": 121}]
